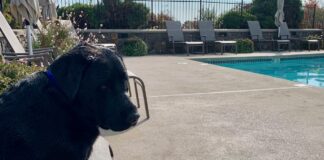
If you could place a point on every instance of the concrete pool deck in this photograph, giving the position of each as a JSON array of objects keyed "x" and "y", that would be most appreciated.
[{"x": 208, "y": 112}]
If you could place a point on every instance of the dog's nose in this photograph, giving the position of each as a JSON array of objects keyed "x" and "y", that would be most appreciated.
[{"x": 132, "y": 119}]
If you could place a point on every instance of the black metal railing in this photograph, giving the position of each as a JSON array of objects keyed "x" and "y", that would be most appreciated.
[{"x": 190, "y": 11}]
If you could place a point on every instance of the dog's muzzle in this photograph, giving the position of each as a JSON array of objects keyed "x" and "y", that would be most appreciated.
[{"x": 132, "y": 119}]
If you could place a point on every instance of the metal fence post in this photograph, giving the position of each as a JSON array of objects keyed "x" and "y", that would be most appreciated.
[
  {"x": 241, "y": 13},
  {"x": 1, "y": 5},
  {"x": 152, "y": 14},
  {"x": 314, "y": 16},
  {"x": 200, "y": 9}
]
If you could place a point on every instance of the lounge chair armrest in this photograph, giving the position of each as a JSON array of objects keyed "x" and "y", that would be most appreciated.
[
  {"x": 255, "y": 36},
  {"x": 204, "y": 38},
  {"x": 26, "y": 53},
  {"x": 44, "y": 49},
  {"x": 284, "y": 36},
  {"x": 171, "y": 39}
]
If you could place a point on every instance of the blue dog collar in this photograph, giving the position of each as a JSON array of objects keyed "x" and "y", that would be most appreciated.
[{"x": 52, "y": 80}]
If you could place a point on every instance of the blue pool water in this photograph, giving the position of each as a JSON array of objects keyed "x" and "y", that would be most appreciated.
[{"x": 309, "y": 70}]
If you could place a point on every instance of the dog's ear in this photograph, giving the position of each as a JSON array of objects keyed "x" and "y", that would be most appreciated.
[{"x": 68, "y": 71}]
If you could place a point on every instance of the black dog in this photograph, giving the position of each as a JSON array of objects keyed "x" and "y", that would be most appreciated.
[{"x": 55, "y": 115}]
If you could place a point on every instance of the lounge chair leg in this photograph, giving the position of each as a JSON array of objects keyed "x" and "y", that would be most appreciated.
[
  {"x": 206, "y": 48},
  {"x": 136, "y": 93},
  {"x": 187, "y": 49},
  {"x": 173, "y": 48},
  {"x": 222, "y": 49},
  {"x": 129, "y": 89},
  {"x": 236, "y": 48},
  {"x": 203, "y": 49},
  {"x": 145, "y": 98},
  {"x": 289, "y": 45},
  {"x": 308, "y": 47}
]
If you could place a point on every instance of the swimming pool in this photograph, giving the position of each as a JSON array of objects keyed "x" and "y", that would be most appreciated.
[{"x": 307, "y": 70}]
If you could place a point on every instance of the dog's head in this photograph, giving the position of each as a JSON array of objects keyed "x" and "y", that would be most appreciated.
[{"x": 96, "y": 80}]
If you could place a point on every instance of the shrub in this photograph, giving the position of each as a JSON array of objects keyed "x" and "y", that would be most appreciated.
[
  {"x": 11, "y": 73},
  {"x": 57, "y": 36},
  {"x": 234, "y": 19},
  {"x": 133, "y": 47},
  {"x": 245, "y": 46},
  {"x": 83, "y": 15}
]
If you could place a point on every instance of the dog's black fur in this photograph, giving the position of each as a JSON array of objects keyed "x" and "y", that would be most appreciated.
[{"x": 41, "y": 120}]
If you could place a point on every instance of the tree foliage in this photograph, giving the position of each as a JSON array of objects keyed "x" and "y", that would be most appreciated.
[
  {"x": 235, "y": 19},
  {"x": 312, "y": 6},
  {"x": 265, "y": 10},
  {"x": 128, "y": 14},
  {"x": 159, "y": 20},
  {"x": 10, "y": 19},
  {"x": 83, "y": 15},
  {"x": 209, "y": 15}
]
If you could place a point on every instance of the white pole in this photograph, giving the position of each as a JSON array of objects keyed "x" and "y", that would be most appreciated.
[{"x": 29, "y": 40}]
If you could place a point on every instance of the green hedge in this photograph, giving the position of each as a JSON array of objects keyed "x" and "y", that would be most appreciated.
[
  {"x": 126, "y": 15},
  {"x": 11, "y": 73},
  {"x": 133, "y": 47},
  {"x": 245, "y": 46},
  {"x": 234, "y": 20}
]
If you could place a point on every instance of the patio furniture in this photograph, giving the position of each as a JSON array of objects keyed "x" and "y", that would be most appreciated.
[
  {"x": 285, "y": 34},
  {"x": 207, "y": 34},
  {"x": 111, "y": 46},
  {"x": 42, "y": 56},
  {"x": 138, "y": 82},
  {"x": 256, "y": 34},
  {"x": 175, "y": 36}
]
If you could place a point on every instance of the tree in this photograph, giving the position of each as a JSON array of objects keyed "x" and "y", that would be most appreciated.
[
  {"x": 312, "y": 6},
  {"x": 190, "y": 24},
  {"x": 235, "y": 19},
  {"x": 209, "y": 15},
  {"x": 82, "y": 15},
  {"x": 159, "y": 20},
  {"x": 265, "y": 10},
  {"x": 127, "y": 14}
]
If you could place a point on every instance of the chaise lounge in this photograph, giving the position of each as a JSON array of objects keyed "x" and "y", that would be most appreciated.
[
  {"x": 207, "y": 34},
  {"x": 256, "y": 34},
  {"x": 41, "y": 56},
  {"x": 175, "y": 36},
  {"x": 284, "y": 33}
]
